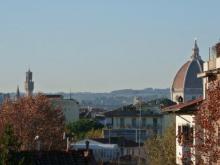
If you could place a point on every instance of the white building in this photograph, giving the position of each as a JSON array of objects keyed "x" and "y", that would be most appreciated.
[
  {"x": 69, "y": 107},
  {"x": 183, "y": 115}
]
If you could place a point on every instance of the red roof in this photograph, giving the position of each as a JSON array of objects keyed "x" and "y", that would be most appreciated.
[
  {"x": 188, "y": 105},
  {"x": 178, "y": 82}
]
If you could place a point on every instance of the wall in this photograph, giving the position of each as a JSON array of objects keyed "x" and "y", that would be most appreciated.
[
  {"x": 168, "y": 120},
  {"x": 181, "y": 150},
  {"x": 70, "y": 109}
]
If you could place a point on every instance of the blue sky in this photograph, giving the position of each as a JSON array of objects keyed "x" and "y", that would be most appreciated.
[{"x": 101, "y": 45}]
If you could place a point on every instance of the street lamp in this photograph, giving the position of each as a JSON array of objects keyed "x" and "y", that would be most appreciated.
[
  {"x": 139, "y": 140},
  {"x": 36, "y": 139},
  {"x": 67, "y": 138}
]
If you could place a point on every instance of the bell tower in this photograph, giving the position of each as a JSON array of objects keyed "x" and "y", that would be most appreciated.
[{"x": 29, "y": 84}]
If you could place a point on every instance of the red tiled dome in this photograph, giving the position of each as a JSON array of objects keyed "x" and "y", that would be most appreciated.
[{"x": 186, "y": 77}]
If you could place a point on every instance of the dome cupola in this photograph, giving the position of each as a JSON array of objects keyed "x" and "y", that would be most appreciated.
[{"x": 186, "y": 85}]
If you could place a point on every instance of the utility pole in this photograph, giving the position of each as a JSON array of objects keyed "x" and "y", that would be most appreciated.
[{"x": 139, "y": 140}]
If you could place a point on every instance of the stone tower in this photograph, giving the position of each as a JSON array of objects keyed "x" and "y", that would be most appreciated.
[
  {"x": 17, "y": 93},
  {"x": 29, "y": 84}
]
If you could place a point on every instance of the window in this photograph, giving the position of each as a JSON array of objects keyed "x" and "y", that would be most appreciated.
[
  {"x": 155, "y": 122},
  {"x": 179, "y": 136},
  {"x": 143, "y": 122},
  {"x": 180, "y": 99},
  {"x": 122, "y": 122},
  {"x": 185, "y": 134},
  {"x": 134, "y": 122},
  {"x": 117, "y": 124},
  {"x": 155, "y": 125},
  {"x": 193, "y": 97}
]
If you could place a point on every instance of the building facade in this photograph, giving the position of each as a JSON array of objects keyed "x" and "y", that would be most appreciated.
[
  {"x": 134, "y": 122},
  {"x": 69, "y": 107},
  {"x": 183, "y": 115},
  {"x": 211, "y": 80}
]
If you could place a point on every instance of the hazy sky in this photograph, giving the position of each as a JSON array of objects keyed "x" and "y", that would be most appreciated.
[{"x": 101, "y": 45}]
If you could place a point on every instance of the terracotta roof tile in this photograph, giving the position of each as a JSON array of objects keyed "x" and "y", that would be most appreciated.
[{"x": 184, "y": 105}]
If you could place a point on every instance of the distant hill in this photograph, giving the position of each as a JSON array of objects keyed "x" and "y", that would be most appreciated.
[
  {"x": 114, "y": 99},
  {"x": 117, "y": 98},
  {"x": 141, "y": 92}
]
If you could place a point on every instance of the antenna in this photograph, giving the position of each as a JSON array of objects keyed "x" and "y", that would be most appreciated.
[
  {"x": 209, "y": 53},
  {"x": 28, "y": 67}
]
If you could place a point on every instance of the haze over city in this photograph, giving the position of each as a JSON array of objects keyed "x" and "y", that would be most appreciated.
[{"x": 101, "y": 46}]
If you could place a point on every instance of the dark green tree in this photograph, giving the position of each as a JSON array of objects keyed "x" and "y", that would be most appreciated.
[
  {"x": 80, "y": 128},
  {"x": 9, "y": 145}
]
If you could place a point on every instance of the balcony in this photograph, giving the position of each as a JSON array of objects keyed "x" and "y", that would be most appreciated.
[
  {"x": 211, "y": 67},
  {"x": 130, "y": 134},
  {"x": 130, "y": 126},
  {"x": 213, "y": 63}
]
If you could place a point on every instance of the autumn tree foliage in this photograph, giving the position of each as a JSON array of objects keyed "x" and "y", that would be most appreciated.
[
  {"x": 161, "y": 150},
  {"x": 35, "y": 121},
  {"x": 208, "y": 127}
]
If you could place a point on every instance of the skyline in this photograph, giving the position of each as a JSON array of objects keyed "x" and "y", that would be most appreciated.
[{"x": 101, "y": 46}]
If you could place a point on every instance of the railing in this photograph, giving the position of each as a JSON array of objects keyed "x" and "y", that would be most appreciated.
[{"x": 145, "y": 127}]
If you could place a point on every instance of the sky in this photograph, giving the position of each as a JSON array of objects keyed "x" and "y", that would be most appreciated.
[{"x": 101, "y": 45}]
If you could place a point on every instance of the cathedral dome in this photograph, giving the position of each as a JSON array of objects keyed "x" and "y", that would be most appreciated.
[
  {"x": 186, "y": 84},
  {"x": 186, "y": 77}
]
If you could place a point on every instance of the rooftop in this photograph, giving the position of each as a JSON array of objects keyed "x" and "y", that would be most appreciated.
[
  {"x": 133, "y": 110},
  {"x": 186, "y": 107},
  {"x": 120, "y": 141}
]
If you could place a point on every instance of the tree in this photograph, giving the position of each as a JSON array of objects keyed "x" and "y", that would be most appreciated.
[
  {"x": 161, "y": 150},
  {"x": 94, "y": 133},
  {"x": 82, "y": 127},
  {"x": 34, "y": 118},
  {"x": 8, "y": 145},
  {"x": 208, "y": 126}
]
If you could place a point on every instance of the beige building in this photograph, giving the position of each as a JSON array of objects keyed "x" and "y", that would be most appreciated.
[
  {"x": 70, "y": 107},
  {"x": 211, "y": 68}
]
